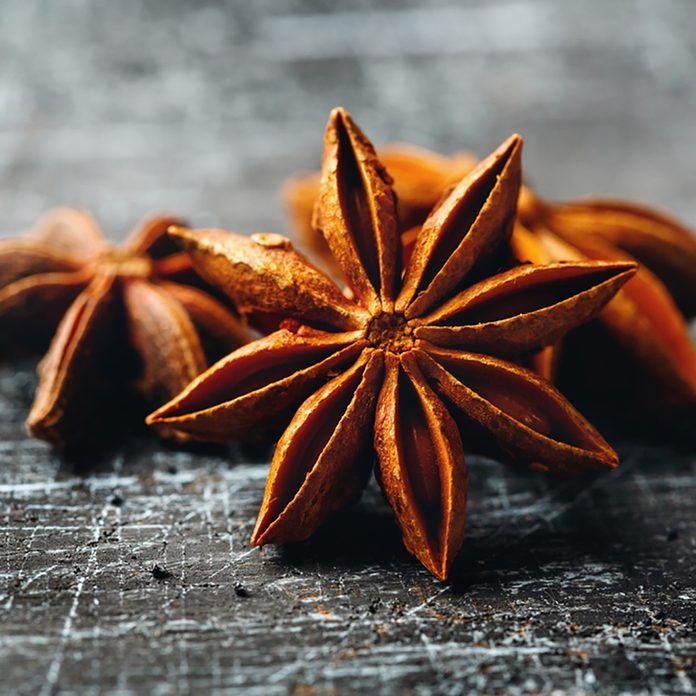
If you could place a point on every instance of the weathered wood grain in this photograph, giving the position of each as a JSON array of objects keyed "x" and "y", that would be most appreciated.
[
  {"x": 137, "y": 577},
  {"x": 130, "y": 572}
]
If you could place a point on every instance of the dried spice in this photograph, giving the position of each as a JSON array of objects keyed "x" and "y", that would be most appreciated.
[
  {"x": 659, "y": 242},
  {"x": 412, "y": 367},
  {"x": 643, "y": 319},
  {"x": 419, "y": 178},
  {"x": 646, "y": 321},
  {"x": 106, "y": 303}
]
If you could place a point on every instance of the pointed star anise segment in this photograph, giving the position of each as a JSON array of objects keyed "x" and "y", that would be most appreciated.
[
  {"x": 28, "y": 257},
  {"x": 645, "y": 320},
  {"x": 246, "y": 393},
  {"x": 420, "y": 176},
  {"x": 525, "y": 308},
  {"x": 72, "y": 372},
  {"x": 31, "y": 307},
  {"x": 42, "y": 272},
  {"x": 356, "y": 213},
  {"x": 263, "y": 274},
  {"x": 106, "y": 303},
  {"x": 483, "y": 204},
  {"x": 385, "y": 383},
  {"x": 421, "y": 465},
  {"x": 150, "y": 238},
  {"x": 70, "y": 232},
  {"x": 324, "y": 448},
  {"x": 164, "y": 336},
  {"x": 528, "y": 418}
]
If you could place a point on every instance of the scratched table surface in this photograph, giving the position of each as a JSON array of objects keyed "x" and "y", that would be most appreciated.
[{"x": 129, "y": 570}]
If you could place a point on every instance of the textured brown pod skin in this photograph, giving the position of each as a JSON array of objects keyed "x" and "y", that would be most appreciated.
[
  {"x": 118, "y": 314},
  {"x": 285, "y": 369},
  {"x": 397, "y": 390},
  {"x": 420, "y": 178},
  {"x": 263, "y": 271},
  {"x": 643, "y": 318},
  {"x": 662, "y": 244}
]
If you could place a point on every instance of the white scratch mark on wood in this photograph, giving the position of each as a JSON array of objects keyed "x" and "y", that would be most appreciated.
[{"x": 65, "y": 635}]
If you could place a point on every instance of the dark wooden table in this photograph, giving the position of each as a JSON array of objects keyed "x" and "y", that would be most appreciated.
[{"x": 130, "y": 572}]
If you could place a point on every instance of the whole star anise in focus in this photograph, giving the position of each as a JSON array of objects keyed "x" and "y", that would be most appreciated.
[
  {"x": 119, "y": 313},
  {"x": 413, "y": 367}
]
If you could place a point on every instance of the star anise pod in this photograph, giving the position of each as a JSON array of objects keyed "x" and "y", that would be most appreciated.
[
  {"x": 643, "y": 319},
  {"x": 410, "y": 367},
  {"x": 107, "y": 303},
  {"x": 661, "y": 243}
]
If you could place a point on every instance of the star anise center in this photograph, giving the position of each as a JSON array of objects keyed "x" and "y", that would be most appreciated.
[
  {"x": 125, "y": 262},
  {"x": 390, "y": 332}
]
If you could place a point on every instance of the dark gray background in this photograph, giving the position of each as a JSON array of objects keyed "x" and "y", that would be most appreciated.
[{"x": 204, "y": 108}]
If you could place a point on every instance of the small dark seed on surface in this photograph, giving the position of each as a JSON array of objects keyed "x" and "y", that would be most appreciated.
[
  {"x": 160, "y": 573},
  {"x": 241, "y": 591}
]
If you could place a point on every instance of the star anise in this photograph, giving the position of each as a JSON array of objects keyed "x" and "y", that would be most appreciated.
[
  {"x": 107, "y": 302},
  {"x": 661, "y": 243},
  {"x": 643, "y": 319},
  {"x": 413, "y": 367},
  {"x": 643, "y": 322}
]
